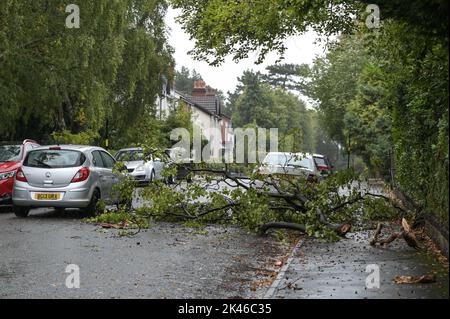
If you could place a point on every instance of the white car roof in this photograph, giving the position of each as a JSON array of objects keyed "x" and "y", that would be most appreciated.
[
  {"x": 81, "y": 148},
  {"x": 303, "y": 154},
  {"x": 130, "y": 149}
]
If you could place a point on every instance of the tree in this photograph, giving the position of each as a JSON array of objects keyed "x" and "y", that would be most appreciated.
[
  {"x": 185, "y": 78},
  {"x": 334, "y": 83},
  {"x": 287, "y": 76},
  {"x": 222, "y": 27},
  {"x": 390, "y": 101},
  {"x": 254, "y": 102},
  {"x": 77, "y": 80}
]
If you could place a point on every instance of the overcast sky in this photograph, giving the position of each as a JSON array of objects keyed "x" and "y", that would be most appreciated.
[{"x": 300, "y": 49}]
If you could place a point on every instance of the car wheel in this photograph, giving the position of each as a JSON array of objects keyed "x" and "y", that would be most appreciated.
[
  {"x": 93, "y": 209},
  {"x": 21, "y": 212},
  {"x": 172, "y": 179}
]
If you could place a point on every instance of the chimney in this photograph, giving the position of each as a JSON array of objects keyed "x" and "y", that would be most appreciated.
[{"x": 199, "y": 88}]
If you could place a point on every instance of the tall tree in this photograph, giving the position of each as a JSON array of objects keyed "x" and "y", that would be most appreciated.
[
  {"x": 256, "y": 103},
  {"x": 185, "y": 78},
  {"x": 287, "y": 76},
  {"x": 72, "y": 79}
]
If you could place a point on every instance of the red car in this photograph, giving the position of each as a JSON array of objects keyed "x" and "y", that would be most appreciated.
[{"x": 11, "y": 157}]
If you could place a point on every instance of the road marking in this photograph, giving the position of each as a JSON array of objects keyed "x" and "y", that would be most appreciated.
[{"x": 273, "y": 288}]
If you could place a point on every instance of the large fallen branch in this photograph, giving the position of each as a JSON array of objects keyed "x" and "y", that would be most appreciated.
[
  {"x": 292, "y": 199},
  {"x": 407, "y": 234},
  {"x": 284, "y": 225}
]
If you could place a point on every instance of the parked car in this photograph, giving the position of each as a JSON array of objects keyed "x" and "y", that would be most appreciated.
[
  {"x": 284, "y": 163},
  {"x": 143, "y": 170},
  {"x": 323, "y": 164},
  {"x": 11, "y": 157},
  {"x": 65, "y": 176}
]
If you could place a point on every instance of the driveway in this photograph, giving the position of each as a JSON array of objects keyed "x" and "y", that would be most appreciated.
[{"x": 165, "y": 261}]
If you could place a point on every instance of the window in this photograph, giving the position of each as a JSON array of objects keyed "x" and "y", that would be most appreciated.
[
  {"x": 54, "y": 158},
  {"x": 130, "y": 156},
  {"x": 288, "y": 159},
  {"x": 108, "y": 160},
  {"x": 97, "y": 159},
  {"x": 320, "y": 161},
  {"x": 10, "y": 153}
]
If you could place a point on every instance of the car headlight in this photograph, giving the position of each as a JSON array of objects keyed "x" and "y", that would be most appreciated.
[
  {"x": 7, "y": 175},
  {"x": 140, "y": 169}
]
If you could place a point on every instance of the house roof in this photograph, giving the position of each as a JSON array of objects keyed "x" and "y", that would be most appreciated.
[
  {"x": 211, "y": 103},
  {"x": 188, "y": 99},
  {"x": 208, "y": 104}
]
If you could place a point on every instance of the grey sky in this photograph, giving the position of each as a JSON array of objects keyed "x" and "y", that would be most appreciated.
[{"x": 300, "y": 49}]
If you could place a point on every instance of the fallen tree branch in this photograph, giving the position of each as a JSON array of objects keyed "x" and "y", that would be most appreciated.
[
  {"x": 406, "y": 234},
  {"x": 340, "y": 229},
  {"x": 284, "y": 225}
]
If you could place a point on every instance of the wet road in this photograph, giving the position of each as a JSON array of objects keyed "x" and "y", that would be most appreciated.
[
  {"x": 165, "y": 261},
  {"x": 339, "y": 270}
]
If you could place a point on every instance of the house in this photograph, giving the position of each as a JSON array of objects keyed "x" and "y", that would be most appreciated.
[{"x": 207, "y": 116}]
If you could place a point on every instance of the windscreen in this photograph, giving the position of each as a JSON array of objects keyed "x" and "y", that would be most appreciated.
[
  {"x": 130, "y": 156},
  {"x": 320, "y": 161}
]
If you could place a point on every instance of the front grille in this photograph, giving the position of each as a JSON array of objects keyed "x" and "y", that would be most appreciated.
[{"x": 130, "y": 170}]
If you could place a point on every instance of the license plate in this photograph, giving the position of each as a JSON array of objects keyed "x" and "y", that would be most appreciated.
[{"x": 47, "y": 196}]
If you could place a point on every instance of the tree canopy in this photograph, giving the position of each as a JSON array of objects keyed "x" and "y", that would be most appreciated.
[
  {"x": 222, "y": 27},
  {"x": 73, "y": 80}
]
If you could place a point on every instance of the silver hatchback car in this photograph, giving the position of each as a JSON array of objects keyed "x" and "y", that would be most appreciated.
[
  {"x": 143, "y": 170},
  {"x": 64, "y": 176}
]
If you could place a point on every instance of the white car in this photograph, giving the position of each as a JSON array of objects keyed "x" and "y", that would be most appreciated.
[
  {"x": 143, "y": 170},
  {"x": 285, "y": 163}
]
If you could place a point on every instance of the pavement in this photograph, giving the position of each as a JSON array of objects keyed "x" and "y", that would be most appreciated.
[
  {"x": 165, "y": 261},
  {"x": 338, "y": 270}
]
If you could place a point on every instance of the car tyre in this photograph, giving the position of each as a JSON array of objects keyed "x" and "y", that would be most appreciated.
[
  {"x": 21, "y": 212},
  {"x": 172, "y": 179},
  {"x": 93, "y": 209}
]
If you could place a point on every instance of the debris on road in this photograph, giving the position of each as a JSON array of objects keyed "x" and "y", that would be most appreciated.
[
  {"x": 407, "y": 234},
  {"x": 426, "y": 279},
  {"x": 121, "y": 225}
]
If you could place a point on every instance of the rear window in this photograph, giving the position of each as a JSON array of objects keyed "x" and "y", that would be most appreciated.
[
  {"x": 276, "y": 159},
  {"x": 286, "y": 159},
  {"x": 54, "y": 158},
  {"x": 10, "y": 153}
]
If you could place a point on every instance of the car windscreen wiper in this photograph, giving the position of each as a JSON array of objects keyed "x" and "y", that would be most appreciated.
[{"x": 42, "y": 163}]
